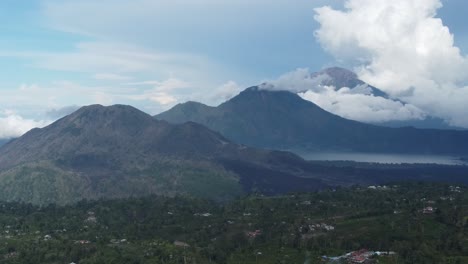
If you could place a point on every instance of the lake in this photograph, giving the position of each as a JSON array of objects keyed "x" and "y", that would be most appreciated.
[{"x": 385, "y": 158}]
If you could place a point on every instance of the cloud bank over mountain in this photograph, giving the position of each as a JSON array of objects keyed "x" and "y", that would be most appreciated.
[
  {"x": 13, "y": 125},
  {"x": 403, "y": 48},
  {"x": 356, "y": 103}
]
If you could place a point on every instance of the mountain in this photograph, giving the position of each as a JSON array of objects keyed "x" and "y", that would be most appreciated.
[
  {"x": 340, "y": 77},
  {"x": 119, "y": 151},
  {"x": 283, "y": 120},
  {"x": 4, "y": 141}
]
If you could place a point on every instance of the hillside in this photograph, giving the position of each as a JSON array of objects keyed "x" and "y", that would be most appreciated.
[
  {"x": 283, "y": 120},
  {"x": 119, "y": 151},
  {"x": 4, "y": 141}
]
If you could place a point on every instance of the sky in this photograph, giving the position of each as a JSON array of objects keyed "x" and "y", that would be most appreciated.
[{"x": 57, "y": 55}]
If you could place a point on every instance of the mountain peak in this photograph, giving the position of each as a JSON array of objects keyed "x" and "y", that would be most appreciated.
[
  {"x": 113, "y": 135},
  {"x": 255, "y": 97},
  {"x": 263, "y": 90},
  {"x": 341, "y": 73},
  {"x": 112, "y": 109},
  {"x": 341, "y": 77},
  {"x": 100, "y": 116},
  {"x": 118, "y": 151}
]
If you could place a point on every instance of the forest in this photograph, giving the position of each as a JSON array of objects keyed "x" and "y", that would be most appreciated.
[{"x": 417, "y": 222}]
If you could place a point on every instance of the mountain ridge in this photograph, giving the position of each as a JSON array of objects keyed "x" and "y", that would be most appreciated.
[
  {"x": 283, "y": 120},
  {"x": 119, "y": 151}
]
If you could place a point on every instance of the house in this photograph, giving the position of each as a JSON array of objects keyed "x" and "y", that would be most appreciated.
[
  {"x": 91, "y": 219},
  {"x": 357, "y": 259},
  {"x": 254, "y": 234},
  {"x": 327, "y": 227},
  {"x": 385, "y": 253},
  {"x": 428, "y": 210},
  {"x": 82, "y": 242},
  {"x": 181, "y": 244},
  {"x": 360, "y": 256},
  {"x": 118, "y": 241},
  {"x": 322, "y": 226}
]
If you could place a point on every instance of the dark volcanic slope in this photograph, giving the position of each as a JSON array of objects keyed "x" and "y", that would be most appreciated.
[
  {"x": 4, "y": 141},
  {"x": 119, "y": 151},
  {"x": 283, "y": 120},
  {"x": 122, "y": 133}
]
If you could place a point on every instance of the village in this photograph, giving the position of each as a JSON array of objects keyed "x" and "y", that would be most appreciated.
[
  {"x": 337, "y": 226},
  {"x": 362, "y": 256}
]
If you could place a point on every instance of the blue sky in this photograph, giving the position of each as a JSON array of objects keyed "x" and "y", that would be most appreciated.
[{"x": 153, "y": 54}]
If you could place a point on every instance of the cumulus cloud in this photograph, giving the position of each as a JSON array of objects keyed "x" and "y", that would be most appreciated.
[
  {"x": 162, "y": 93},
  {"x": 299, "y": 80},
  {"x": 226, "y": 91},
  {"x": 352, "y": 104},
  {"x": 13, "y": 125},
  {"x": 356, "y": 103},
  {"x": 401, "y": 47}
]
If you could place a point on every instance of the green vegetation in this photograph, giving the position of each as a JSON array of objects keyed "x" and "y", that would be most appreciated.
[
  {"x": 43, "y": 183},
  {"x": 299, "y": 228}
]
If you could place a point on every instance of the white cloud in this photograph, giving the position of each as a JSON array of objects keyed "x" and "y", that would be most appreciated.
[
  {"x": 220, "y": 37},
  {"x": 101, "y": 57},
  {"x": 167, "y": 85},
  {"x": 34, "y": 101},
  {"x": 296, "y": 81},
  {"x": 111, "y": 77},
  {"x": 163, "y": 93},
  {"x": 401, "y": 47},
  {"x": 226, "y": 91},
  {"x": 350, "y": 104},
  {"x": 115, "y": 63},
  {"x": 13, "y": 125},
  {"x": 356, "y": 103},
  {"x": 162, "y": 98}
]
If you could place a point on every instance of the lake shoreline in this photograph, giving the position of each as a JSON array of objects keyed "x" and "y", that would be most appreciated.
[{"x": 384, "y": 158}]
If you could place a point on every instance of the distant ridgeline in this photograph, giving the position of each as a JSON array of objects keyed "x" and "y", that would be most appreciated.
[
  {"x": 118, "y": 152},
  {"x": 283, "y": 120}
]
